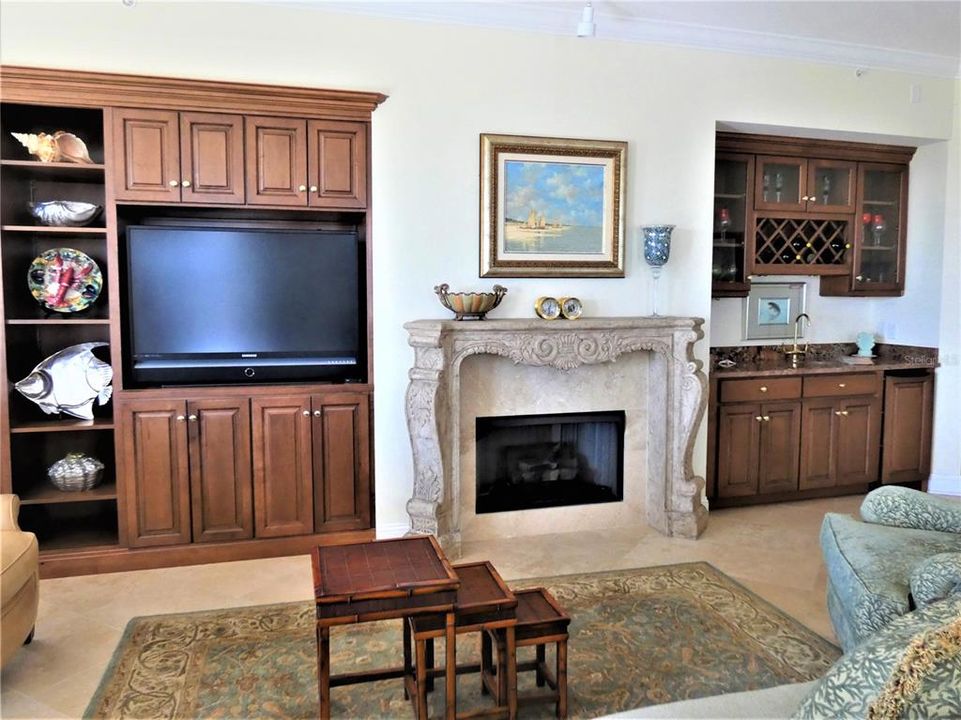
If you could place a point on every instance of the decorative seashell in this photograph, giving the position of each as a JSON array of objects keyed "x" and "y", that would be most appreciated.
[
  {"x": 64, "y": 213},
  {"x": 72, "y": 148},
  {"x": 42, "y": 145}
]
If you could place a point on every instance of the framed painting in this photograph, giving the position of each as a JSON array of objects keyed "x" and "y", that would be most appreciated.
[
  {"x": 770, "y": 309},
  {"x": 551, "y": 207}
]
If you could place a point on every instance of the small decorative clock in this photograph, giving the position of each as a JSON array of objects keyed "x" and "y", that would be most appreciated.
[
  {"x": 571, "y": 308},
  {"x": 547, "y": 308}
]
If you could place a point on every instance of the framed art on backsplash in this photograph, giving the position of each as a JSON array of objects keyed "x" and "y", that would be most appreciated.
[
  {"x": 770, "y": 309},
  {"x": 551, "y": 207}
]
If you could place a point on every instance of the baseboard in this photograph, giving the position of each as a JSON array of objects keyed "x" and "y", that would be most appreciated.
[
  {"x": 392, "y": 530},
  {"x": 945, "y": 485}
]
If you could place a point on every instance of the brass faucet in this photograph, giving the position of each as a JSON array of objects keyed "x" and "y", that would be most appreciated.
[{"x": 796, "y": 353}]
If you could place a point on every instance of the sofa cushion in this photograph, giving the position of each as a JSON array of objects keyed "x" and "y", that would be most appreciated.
[
  {"x": 869, "y": 570},
  {"x": 936, "y": 578},
  {"x": 924, "y": 644},
  {"x": 907, "y": 508},
  {"x": 20, "y": 557}
]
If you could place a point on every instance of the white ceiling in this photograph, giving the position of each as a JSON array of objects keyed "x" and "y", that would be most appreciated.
[{"x": 923, "y": 36}]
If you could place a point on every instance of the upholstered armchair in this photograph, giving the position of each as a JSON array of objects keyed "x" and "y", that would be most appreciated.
[
  {"x": 906, "y": 553},
  {"x": 19, "y": 581}
]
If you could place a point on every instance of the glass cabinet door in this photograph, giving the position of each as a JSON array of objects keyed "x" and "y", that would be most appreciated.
[
  {"x": 879, "y": 251},
  {"x": 780, "y": 183},
  {"x": 732, "y": 206},
  {"x": 830, "y": 186}
]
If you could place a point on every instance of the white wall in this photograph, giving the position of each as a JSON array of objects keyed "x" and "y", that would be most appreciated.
[{"x": 447, "y": 84}]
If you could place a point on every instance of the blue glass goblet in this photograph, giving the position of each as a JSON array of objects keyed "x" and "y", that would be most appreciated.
[{"x": 657, "y": 250}]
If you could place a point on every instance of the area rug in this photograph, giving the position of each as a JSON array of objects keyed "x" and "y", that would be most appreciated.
[{"x": 637, "y": 637}]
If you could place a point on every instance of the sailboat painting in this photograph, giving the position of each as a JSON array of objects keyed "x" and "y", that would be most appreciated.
[{"x": 552, "y": 207}]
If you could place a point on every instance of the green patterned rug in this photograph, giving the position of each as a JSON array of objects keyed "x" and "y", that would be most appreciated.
[{"x": 637, "y": 637}]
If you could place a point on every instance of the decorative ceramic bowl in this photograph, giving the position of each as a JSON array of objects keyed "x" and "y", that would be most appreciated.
[
  {"x": 64, "y": 213},
  {"x": 473, "y": 305},
  {"x": 75, "y": 472}
]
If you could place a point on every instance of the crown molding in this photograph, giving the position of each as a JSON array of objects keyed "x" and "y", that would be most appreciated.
[{"x": 549, "y": 19}]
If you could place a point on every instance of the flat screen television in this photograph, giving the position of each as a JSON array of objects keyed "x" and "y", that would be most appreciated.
[{"x": 211, "y": 305}]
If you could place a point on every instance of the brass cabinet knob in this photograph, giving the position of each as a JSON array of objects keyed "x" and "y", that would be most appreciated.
[
  {"x": 767, "y": 418},
  {"x": 174, "y": 183},
  {"x": 313, "y": 188},
  {"x": 306, "y": 413},
  {"x": 837, "y": 412},
  {"x": 302, "y": 188},
  {"x": 317, "y": 413},
  {"x": 180, "y": 418},
  {"x": 842, "y": 385},
  {"x": 844, "y": 413},
  {"x": 764, "y": 388},
  {"x": 859, "y": 278},
  {"x": 192, "y": 418},
  {"x": 186, "y": 183},
  {"x": 758, "y": 418}
]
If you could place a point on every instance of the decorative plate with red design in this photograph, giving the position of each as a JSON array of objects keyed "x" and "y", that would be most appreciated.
[{"x": 65, "y": 280}]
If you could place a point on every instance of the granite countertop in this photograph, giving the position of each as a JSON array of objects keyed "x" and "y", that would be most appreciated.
[{"x": 821, "y": 359}]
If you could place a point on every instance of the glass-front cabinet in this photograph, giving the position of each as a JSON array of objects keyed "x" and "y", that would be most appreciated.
[
  {"x": 879, "y": 247},
  {"x": 732, "y": 206},
  {"x": 780, "y": 184},
  {"x": 830, "y": 186}
]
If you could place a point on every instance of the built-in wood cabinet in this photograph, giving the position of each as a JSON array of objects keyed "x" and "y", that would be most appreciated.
[
  {"x": 809, "y": 435},
  {"x": 818, "y": 207},
  {"x": 908, "y": 415},
  {"x": 165, "y": 156},
  {"x": 186, "y": 467},
  {"x": 179, "y": 490}
]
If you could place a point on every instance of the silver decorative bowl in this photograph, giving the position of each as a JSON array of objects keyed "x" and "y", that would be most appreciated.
[
  {"x": 76, "y": 472},
  {"x": 64, "y": 213},
  {"x": 473, "y": 305}
]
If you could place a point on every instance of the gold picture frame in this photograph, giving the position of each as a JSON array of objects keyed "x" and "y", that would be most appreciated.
[{"x": 551, "y": 207}]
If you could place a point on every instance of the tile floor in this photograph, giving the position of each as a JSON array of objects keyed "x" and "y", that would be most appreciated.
[{"x": 771, "y": 549}]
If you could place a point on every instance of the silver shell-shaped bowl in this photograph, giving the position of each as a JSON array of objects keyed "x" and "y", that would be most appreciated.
[
  {"x": 64, "y": 213},
  {"x": 76, "y": 472}
]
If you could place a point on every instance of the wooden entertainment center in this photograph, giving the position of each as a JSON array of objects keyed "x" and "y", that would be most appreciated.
[{"x": 193, "y": 473}]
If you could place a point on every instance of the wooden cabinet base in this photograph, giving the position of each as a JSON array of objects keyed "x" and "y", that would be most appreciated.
[
  {"x": 724, "y": 502},
  {"x": 102, "y": 560}
]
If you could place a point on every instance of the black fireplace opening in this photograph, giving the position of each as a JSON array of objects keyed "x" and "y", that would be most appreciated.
[{"x": 526, "y": 462}]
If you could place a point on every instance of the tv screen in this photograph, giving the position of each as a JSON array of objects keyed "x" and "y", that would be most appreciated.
[{"x": 242, "y": 305}]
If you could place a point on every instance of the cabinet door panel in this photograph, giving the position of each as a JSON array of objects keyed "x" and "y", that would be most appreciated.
[
  {"x": 779, "y": 447},
  {"x": 147, "y": 148},
  {"x": 276, "y": 161},
  {"x": 819, "y": 428},
  {"x": 906, "y": 454},
  {"x": 337, "y": 164},
  {"x": 153, "y": 465},
  {"x": 220, "y": 484},
  {"x": 212, "y": 153},
  {"x": 341, "y": 462},
  {"x": 283, "y": 483},
  {"x": 859, "y": 441},
  {"x": 831, "y": 186},
  {"x": 737, "y": 450},
  {"x": 780, "y": 183},
  {"x": 880, "y": 242}
]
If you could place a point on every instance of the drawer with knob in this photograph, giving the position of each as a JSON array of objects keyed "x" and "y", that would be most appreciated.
[
  {"x": 842, "y": 384},
  {"x": 752, "y": 390}
]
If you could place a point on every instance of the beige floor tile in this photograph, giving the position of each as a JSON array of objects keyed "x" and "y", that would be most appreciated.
[{"x": 773, "y": 550}]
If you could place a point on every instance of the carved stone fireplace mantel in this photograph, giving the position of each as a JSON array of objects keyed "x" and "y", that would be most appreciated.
[{"x": 676, "y": 399}]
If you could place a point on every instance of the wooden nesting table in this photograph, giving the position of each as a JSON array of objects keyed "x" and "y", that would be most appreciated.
[{"x": 381, "y": 580}]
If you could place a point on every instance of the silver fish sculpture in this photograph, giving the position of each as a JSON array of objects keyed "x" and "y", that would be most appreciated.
[{"x": 69, "y": 381}]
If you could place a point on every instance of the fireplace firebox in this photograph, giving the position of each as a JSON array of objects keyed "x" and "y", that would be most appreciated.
[{"x": 526, "y": 462}]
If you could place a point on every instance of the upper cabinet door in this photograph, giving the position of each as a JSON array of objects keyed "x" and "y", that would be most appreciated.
[
  {"x": 830, "y": 186},
  {"x": 276, "y": 161},
  {"x": 881, "y": 229},
  {"x": 337, "y": 164},
  {"x": 147, "y": 155},
  {"x": 780, "y": 183},
  {"x": 212, "y": 154}
]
